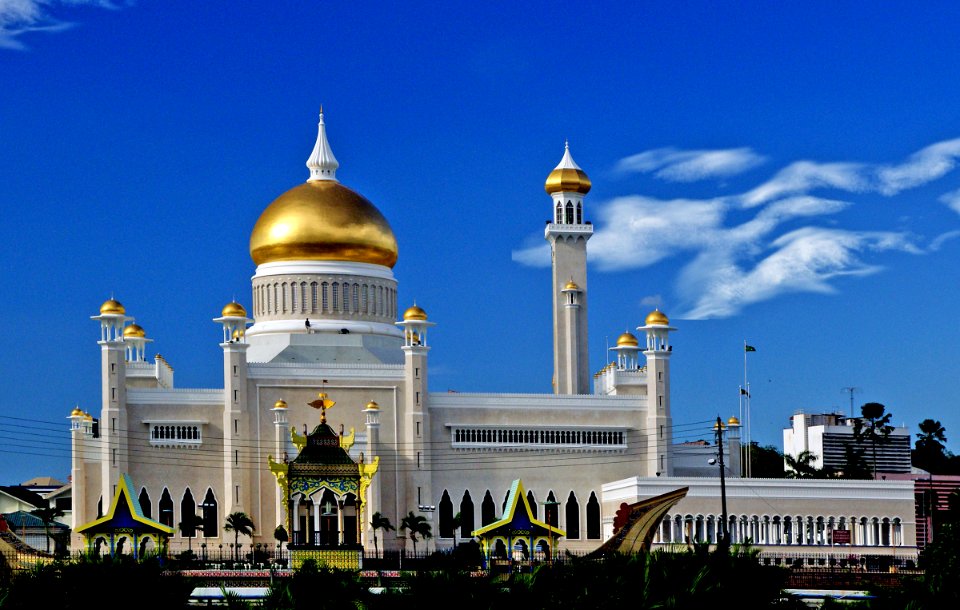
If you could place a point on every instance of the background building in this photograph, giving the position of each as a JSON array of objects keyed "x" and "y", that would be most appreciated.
[{"x": 827, "y": 435}]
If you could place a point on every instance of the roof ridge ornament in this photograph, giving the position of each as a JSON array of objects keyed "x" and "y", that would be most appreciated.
[{"x": 322, "y": 164}]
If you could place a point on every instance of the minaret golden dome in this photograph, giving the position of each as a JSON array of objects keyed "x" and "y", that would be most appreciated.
[
  {"x": 657, "y": 318},
  {"x": 280, "y": 404},
  {"x": 627, "y": 340},
  {"x": 233, "y": 310},
  {"x": 571, "y": 285},
  {"x": 134, "y": 330},
  {"x": 733, "y": 421},
  {"x": 567, "y": 177},
  {"x": 112, "y": 307},
  {"x": 414, "y": 313}
]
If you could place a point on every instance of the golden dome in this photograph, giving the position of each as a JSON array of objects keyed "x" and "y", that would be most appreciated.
[
  {"x": 373, "y": 406},
  {"x": 233, "y": 310},
  {"x": 414, "y": 313},
  {"x": 571, "y": 285},
  {"x": 567, "y": 180},
  {"x": 76, "y": 412},
  {"x": 280, "y": 404},
  {"x": 134, "y": 330},
  {"x": 722, "y": 426},
  {"x": 87, "y": 417},
  {"x": 323, "y": 220},
  {"x": 627, "y": 340},
  {"x": 237, "y": 334},
  {"x": 733, "y": 421},
  {"x": 112, "y": 307},
  {"x": 657, "y": 318}
]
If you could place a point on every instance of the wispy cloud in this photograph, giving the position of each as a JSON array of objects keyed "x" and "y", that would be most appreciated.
[
  {"x": 19, "y": 17},
  {"x": 737, "y": 250},
  {"x": 690, "y": 165}
]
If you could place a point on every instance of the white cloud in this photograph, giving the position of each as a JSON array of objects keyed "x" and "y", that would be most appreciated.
[
  {"x": 18, "y": 17},
  {"x": 952, "y": 199},
  {"x": 653, "y": 300},
  {"x": 532, "y": 256},
  {"x": 804, "y": 176},
  {"x": 925, "y": 165},
  {"x": 691, "y": 165},
  {"x": 803, "y": 261}
]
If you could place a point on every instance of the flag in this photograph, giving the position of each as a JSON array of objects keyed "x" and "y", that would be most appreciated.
[
  {"x": 749, "y": 348},
  {"x": 744, "y": 392}
]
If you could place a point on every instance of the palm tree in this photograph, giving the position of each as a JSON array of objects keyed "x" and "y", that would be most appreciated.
[
  {"x": 379, "y": 522},
  {"x": 801, "y": 467},
  {"x": 47, "y": 514},
  {"x": 416, "y": 525},
  {"x": 930, "y": 452},
  {"x": 877, "y": 428},
  {"x": 854, "y": 465},
  {"x": 239, "y": 523},
  {"x": 455, "y": 523},
  {"x": 189, "y": 527}
]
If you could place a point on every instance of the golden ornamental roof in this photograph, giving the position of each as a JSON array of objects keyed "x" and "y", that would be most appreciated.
[
  {"x": 414, "y": 313},
  {"x": 112, "y": 307},
  {"x": 657, "y": 318},
  {"x": 76, "y": 412},
  {"x": 134, "y": 330},
  {"x": 571, "y": 285},
  {"x": 567, "y": 177},
  {"x": 323, "y": 220},
  {"x": 627, "y": 340},
  {"x": 233, "y": 310},
  {"x": 373, "y": 406},
  {"x": 280, "y": 404},
  {"x": 733, "y": 421}
]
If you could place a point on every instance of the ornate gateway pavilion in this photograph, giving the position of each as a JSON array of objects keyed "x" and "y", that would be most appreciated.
[{"x": 324, "y": 319}]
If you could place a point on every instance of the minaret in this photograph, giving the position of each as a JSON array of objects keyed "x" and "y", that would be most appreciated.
[
  {"x": 136, "y": 341},
  {"x": 568, "y": 234},
  {"x": 236, "y": 433},
  {"x": 372, "y": 504},
  {"x": 281, "y": 432},
  {"x": 659, "y": 422},
  {"x": 413, "y": 449},
  {"x": 113, "y": 411},
  {"x": 81, "y": 431}
]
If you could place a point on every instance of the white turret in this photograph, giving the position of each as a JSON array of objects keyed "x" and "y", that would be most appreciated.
[{"x": 322, "y": 164}]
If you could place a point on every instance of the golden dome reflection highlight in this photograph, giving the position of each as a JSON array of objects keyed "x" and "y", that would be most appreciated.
[{"x": 323, "y": 220}]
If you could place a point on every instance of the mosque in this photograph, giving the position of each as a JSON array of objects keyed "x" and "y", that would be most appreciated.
[{"x": 326, "y": 341}]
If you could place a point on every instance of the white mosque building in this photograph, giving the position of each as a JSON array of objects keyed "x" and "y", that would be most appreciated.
[{"x": 324, "y": 317}]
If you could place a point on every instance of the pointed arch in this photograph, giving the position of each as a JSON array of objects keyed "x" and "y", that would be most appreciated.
[
  {"x": 188, "y": 513},
  {"x": 572, "y": 516},
  {"x": 579, "y": 213},
  {"x": 593, "y": 517},
  {"x": 559, "y": 216},
  {"x": 532, "y": 501},
  {"x": 569, "y": 215},
  {"x": 488, "y": 510},
  {"x": 446, "y": 516},
  {"x": 209, "y": 514},
  {"x": 551, "y": 512},
  {"x": 165, "y": 508},
  {"x": 144, "y": 500},
  {"x": 466, "y": 516}
]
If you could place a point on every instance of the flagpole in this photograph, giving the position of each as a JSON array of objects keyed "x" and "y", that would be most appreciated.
[{"x": 746, "y": 385}]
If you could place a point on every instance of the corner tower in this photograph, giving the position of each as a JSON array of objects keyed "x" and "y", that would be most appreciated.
[{"x": 568, "y": 234}]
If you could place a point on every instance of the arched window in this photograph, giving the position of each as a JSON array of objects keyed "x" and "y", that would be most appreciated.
[
  {"x": 559, "y": 219},
  {"x": 488, "y": 510},
  {"x": 324, "y": 305},
  {"x": 356, "y": 299},
  {"x": 166, "y": 509},
  {"x": 303, "y": 297},
  {"x": 145, "y": 507},
  {"x": 336, "y": 297},
  {"x": 276, "y": 298},
  {"x": 364, "y": 303},
  {"x": 593, "y": 517},
  {"x": 446, "y": 516},
  {"x": 283, "y": 297},
  {"x": 293, "y": 297},
  {"x": 466, "y": 516},
  {"x": 569, "y": 218},
  {"x": 551, "y": 512},
  {"x": 188, "y": 515},
  {"x": 573, "y": 517},
  {"x": 269, "y": 300},
  {"x": 533, "y": 504},
  {"x": 579, "y": 213},
  {"x": 209, "y": 514}
]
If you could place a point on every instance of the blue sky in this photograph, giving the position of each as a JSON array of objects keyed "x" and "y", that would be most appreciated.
[{"x": 777, "y": 173}]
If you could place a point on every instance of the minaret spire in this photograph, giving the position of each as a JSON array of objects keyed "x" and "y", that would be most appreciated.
[{"x": 322, "y": 164}]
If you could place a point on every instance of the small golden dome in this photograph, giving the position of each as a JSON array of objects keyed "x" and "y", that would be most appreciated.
[
  {"x": 112, "y": 307},
  {"x": 280, "y": 404},
  {"x": 88, "y": 417},
  {"x": 233, "y": 310},
  {"x": 76, "y": 412},
  {"x": 733, "y": 421},
  {"x": 413, "y": 335},
  {"x": 323, "y": 220},
  {"x": 723, "y": 427},
  {"x": 627, "y": 340},
  {"x": 657, "y": 318},
  {"x": 238, "y": 334},
  {"x": 414, "y": 313},
  {"x": 571, "y": 285},
  {"x": 567, "y": 180},
  {"x": 134, "y": 330},
  {"x": 373, "y": 406}
]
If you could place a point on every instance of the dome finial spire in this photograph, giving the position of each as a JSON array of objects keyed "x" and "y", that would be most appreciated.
[{"x": 322, "y": 164}]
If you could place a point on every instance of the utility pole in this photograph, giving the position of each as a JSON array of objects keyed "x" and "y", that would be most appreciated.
[
  {"x": 851, "y": 390},
  {"x": 723, "y": 485}
]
